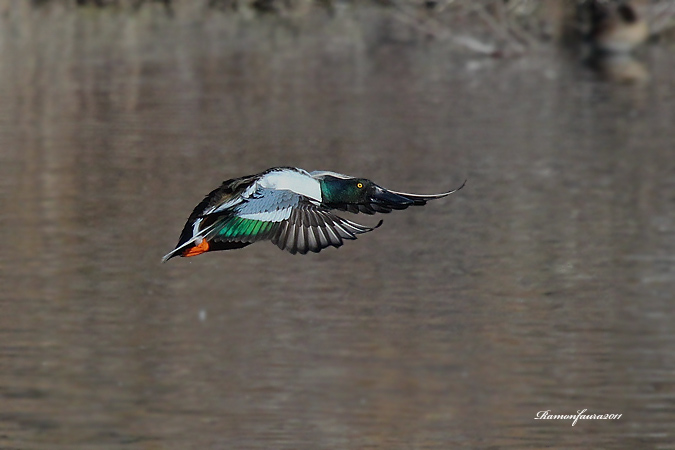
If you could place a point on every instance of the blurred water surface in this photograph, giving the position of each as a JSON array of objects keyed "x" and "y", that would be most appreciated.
[{"x": 546, "y": 284}]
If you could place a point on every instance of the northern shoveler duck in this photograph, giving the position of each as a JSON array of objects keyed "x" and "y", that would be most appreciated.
[
  {"x": 616, "y": 26},
  {"x": 290, "y": 207}
]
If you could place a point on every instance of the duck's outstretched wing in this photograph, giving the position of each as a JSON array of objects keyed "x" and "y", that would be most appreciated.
[
  {"x": 383, "y": 200},
  {"x": 312, "y": 228},
  {"x": 291, "y": 221}
]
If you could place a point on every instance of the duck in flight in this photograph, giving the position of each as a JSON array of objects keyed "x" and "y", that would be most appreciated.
[{"x": 291, "y": 207}]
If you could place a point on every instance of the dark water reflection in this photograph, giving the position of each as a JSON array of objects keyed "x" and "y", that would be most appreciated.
[{"x": 546, "y": 284}]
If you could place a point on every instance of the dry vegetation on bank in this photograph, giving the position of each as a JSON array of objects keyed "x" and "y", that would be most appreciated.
[{"x": 490, "y": 27}]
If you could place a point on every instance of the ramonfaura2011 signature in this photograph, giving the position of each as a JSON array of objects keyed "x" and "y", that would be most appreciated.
[{"x": 574, "y": 417}]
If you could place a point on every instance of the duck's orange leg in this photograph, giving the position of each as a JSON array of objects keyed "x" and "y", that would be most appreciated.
[{"x": 198, "y": 249}]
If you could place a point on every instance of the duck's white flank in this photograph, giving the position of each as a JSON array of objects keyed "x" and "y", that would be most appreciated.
[{"x": 299, "y": 182}]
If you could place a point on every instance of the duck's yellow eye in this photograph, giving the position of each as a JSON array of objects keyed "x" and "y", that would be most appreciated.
[{"x": 359, "y": 185}]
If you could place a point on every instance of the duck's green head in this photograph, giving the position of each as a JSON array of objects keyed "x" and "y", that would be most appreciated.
[{"x": 337, "y": 191}]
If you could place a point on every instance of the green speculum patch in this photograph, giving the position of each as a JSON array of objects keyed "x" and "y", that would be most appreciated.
[{"x": 244, "y": 227}]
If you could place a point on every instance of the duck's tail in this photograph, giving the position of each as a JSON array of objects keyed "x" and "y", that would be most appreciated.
[{"x": 188, "y": 248}]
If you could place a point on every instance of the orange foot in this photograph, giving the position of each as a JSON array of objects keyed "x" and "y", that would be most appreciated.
[{"x": 198, "y": 249}]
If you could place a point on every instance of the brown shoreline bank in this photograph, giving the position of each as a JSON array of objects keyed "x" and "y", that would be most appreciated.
[{"x": 491, "y": 28}]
